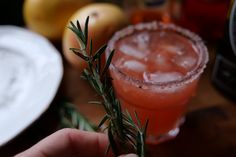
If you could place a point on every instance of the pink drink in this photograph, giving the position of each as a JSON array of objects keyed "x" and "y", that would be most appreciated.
[{"x": 155, "y": 71}]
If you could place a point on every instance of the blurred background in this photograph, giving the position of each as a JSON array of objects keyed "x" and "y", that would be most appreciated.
[
  {"x": 11, "y": 12},
  {"x": 207, "y": 17},
  {"x": 212, "y": 108}
]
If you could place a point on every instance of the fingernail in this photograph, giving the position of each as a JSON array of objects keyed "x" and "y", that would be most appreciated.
[{"x": 129, "y": 155}]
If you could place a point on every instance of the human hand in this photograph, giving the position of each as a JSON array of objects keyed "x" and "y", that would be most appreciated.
[{"x": 71, "y": 143}]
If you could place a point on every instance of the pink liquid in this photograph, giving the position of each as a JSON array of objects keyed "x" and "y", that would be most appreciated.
[
  {"x": 151, "y": 73},
  {"x": 155, "y": 56}
]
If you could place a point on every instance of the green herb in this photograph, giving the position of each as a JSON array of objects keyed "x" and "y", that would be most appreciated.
[
  {"x": 125, "y": 136},
  {"x": 71, "y": 118}
]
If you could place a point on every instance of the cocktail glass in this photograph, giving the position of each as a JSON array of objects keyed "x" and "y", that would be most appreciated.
[{"x": 155, "y": 71}]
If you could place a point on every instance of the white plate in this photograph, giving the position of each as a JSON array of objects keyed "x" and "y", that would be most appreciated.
[{"x": 30, "y": 73}]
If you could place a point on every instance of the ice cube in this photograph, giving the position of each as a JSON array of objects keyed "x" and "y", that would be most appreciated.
[
  {"x": 161, "y": 62},
  {"x": 161, "y": 77},
  {"x": 142, "y": 40},
  {"x": 161, "y": 59},
  {"x": 134, "y": 66},
  {"x": 132, "y": 51},
  {"x": 172, "y": 49},
  {"x": 186, "y": 62}
]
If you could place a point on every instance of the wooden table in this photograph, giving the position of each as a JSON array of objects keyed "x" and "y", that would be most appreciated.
[{"x": 209, "y": 129}]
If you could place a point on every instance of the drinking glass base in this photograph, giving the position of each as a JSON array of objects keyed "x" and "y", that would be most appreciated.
[{"x": 153, "y": 140}]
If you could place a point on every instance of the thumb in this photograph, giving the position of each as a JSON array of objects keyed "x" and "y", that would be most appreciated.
[{"x": 129, "y": 155}]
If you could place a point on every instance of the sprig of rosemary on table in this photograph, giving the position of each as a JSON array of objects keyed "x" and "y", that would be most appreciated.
[
  {"x": 125, "y": 136},
  {"x": 72, "y": 118}
]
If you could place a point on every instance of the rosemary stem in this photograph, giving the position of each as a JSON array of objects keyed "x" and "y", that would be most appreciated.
[{"x": 123, "y": 133}]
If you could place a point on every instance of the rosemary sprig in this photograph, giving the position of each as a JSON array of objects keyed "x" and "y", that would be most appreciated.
[
  {"x": 125, "y": 136},
  {"x": 71, "y": 118}
]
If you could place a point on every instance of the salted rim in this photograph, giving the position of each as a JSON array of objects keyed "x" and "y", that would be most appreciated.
[{"x": 152, "y": 26}]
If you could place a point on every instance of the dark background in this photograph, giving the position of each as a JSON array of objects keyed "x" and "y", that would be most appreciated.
[{"x": 11, "y": 12}]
